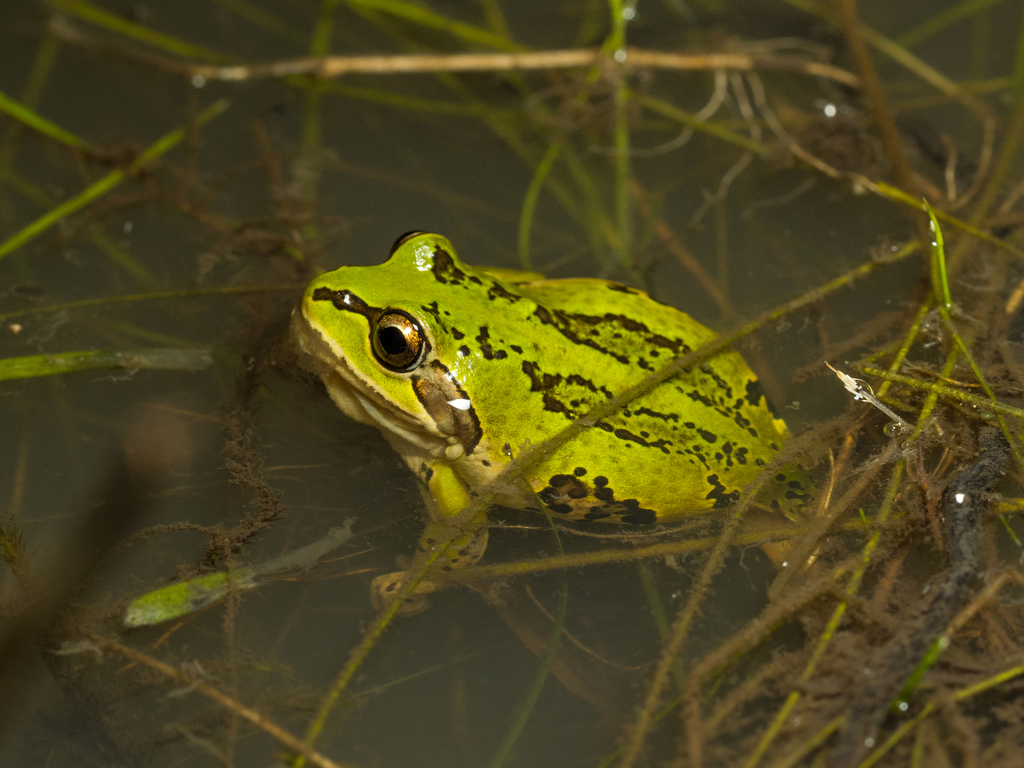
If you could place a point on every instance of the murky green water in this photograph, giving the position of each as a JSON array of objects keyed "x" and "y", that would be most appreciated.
[{"x": 252, "y": 461}]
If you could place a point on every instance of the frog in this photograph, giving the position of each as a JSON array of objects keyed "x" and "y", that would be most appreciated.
[{"x": 461, "y": 368}]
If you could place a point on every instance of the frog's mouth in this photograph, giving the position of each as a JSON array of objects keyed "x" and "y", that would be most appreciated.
[{"x": 359, "y": 399}]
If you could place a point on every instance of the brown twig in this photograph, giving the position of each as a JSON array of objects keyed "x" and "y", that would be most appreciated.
[
  {"x": 229, "y": 703},
  {"x": 683, "y": 255},
  {"x": 875, "y": 94},
  {"x": 336, "y": 66}
]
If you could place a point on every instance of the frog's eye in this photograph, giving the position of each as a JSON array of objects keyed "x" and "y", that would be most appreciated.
[
  {"x": 398, "y": 342},
  {"x": 404, "y": 239}
]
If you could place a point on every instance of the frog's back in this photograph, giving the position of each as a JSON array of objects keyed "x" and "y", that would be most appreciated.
[{"x": 688, "y": 445}]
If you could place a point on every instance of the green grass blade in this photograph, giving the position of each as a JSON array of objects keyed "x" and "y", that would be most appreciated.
[
  {"x": 414, "y": 103},
  {"x": 33, "y": 366},
  {"x": 616, "y": 45},
  {"x": 690, "y": 121},
  {"x": 427, "y": 18},
  {"x": 102, "y": 186},
  {"x": 940, "y": 282},
  {"x": 121, "y": 26},
  {"x": 897, "y": 194},
  {"x": 187, "y": 293},
  {"x": 940, "y": 21},
  {"x": 898, "y": 54},
  {"x": 900, "y": 704},
  {"x": 19, "y": 111},
  {"x": 530, "y": 202},
  {"x": 1017, "y": 78},
  {"x": 260, "y": 18},
  {"x": 95, "y": 233}
]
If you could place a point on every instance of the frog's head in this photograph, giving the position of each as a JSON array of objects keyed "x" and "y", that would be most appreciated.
[{"x": 377, "y": 338}]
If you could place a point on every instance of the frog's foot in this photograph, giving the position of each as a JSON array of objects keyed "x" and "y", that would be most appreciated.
[
  {"x": 464, "y": 551},
  {"x": 384, "y": 588}
]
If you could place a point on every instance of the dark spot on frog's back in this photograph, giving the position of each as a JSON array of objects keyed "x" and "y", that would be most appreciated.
[
  {"x": 484, "y": 340},
  {"x": 620, "y": 288},
  {"x": 755, "y": 393},
  {"x": 666, "y": 417},
  {"x": 498, "y": 291},
  {"x": 569, "y": 485},
  {"x": 698, "y": 397},
  {"x": 568, "y": 495},
  {"x": 444, "y": 268},
  {"x": 719, "y": 494},
  {"x": 637, "y": 515},
  {"x": 708, "y": 437},
  {"x": 625, "y": 434}
]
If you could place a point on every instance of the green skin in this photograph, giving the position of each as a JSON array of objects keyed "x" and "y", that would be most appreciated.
[{"x": 530, "y": 355}]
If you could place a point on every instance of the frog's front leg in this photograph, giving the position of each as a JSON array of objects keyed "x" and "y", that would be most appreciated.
[{"x": 446, "y": 496}]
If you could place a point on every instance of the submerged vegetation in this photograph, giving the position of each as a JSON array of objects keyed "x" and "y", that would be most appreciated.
[{"x": 834, "y": 193}]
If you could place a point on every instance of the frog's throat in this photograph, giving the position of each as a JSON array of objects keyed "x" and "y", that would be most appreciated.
[{"x": 359, "y": 399}]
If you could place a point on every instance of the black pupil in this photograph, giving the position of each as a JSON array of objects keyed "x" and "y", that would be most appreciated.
[{"x": 392, "y": 341}]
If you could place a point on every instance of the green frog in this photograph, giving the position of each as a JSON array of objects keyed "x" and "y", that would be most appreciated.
[{"x": 461, "y": 367}]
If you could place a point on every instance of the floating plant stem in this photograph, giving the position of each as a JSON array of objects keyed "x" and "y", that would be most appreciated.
[
  {"x": 117, "y": 24},
  {"x": 192, "y": 595},
  {"x": 616, "y": 44},
  {"x": 186, "y": 293},
  {"x": 33, "y": 120},
  {"x": 861, "y": 390},
  {"x": 939, "y": 269},
  {"x": 33, "y": 366},
  {"x": 530, "y": 201},
  {"x": 103, "y": 185},
  {"x": 940, "y": 281},
  {"x": 901, "y": 704},
  {"x": 945, "y": 390}
]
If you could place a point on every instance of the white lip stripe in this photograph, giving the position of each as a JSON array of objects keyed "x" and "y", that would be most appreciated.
[{"x": 420, "y": 440}]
